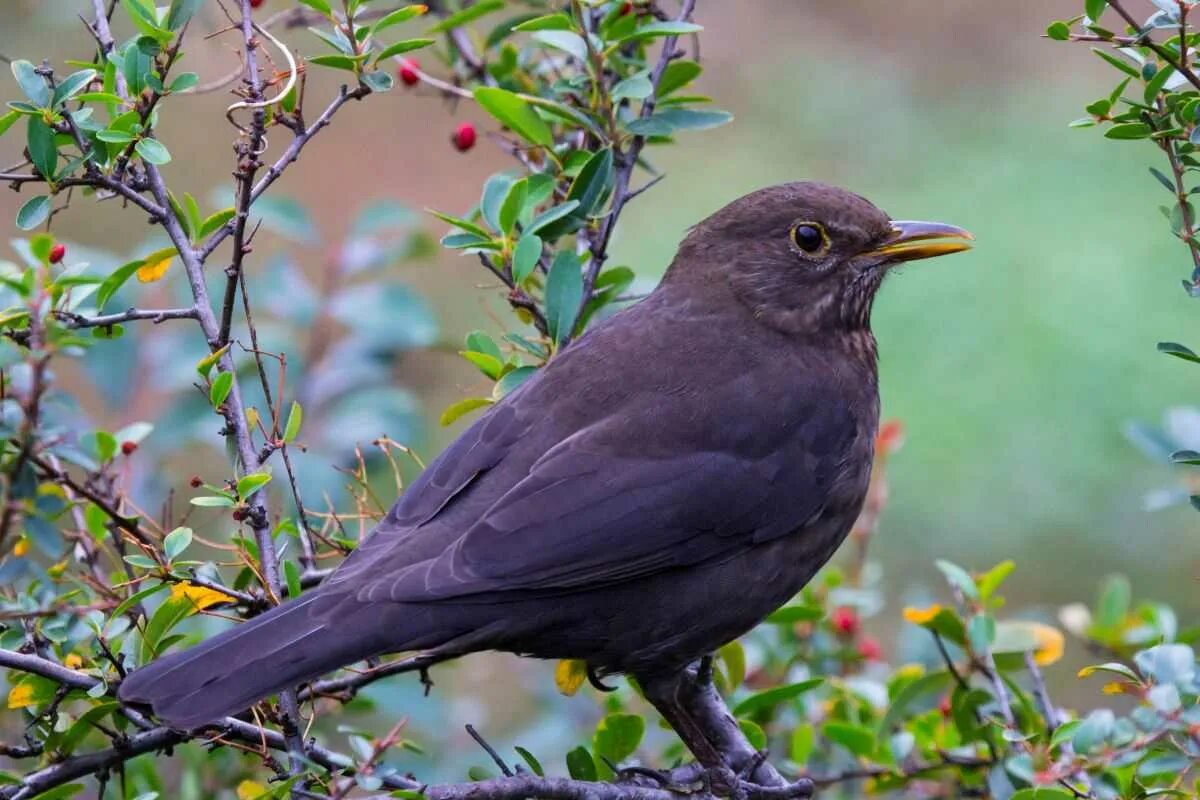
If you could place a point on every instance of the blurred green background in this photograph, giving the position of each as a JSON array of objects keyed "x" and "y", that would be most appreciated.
[{"x": 1015, "y": 369}]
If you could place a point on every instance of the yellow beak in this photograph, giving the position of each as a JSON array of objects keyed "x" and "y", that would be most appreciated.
[{"x": 912, "y": 240}]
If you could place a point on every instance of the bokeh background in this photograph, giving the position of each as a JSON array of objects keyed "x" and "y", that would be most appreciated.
[{"x": 1019, "y": 370}]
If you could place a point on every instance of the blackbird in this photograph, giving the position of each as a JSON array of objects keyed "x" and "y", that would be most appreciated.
[{"x": 657, "y": 489}]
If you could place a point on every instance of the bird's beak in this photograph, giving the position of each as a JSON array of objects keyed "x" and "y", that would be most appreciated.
[{"x": 912, "y": 240}]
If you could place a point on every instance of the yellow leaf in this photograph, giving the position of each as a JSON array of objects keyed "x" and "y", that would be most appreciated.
[
  {"x": 73, "y": 661},
  {"x": 1116, "y": 687},
  {"x": 201, "y": 597},
  {"x": 21, "y": 547},
  {"x": 569, "y": 675},
  {"x": 252, "y": 417},
  {"x": 249, "y": 790},
  {"x": 920, "y": 616},
  {"x": 21, "y": 696},
  {"x": 155, "y": 265},
  {"x": 1050, "y": 644},
  {"x": 910, "y": 672}
]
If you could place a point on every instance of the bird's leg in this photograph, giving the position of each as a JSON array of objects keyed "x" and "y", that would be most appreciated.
[
  {"x": 663, "y": 692},
  {"x": 689, "y": 702}
]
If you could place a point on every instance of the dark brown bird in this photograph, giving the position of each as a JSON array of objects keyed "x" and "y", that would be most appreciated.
[{"x": 663, "y": 484}]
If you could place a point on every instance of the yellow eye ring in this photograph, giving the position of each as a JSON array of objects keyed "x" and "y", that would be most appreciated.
[{"x": 810, "y": 237}]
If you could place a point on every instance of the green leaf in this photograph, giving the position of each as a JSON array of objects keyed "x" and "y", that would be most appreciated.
[
  {"x": 213, "y": 501},
  {"x": 959, "y": 578},
  {"x": 1179, "y": 351},
  {"x": 981, "y": 632},
  {"x": 635, "y": 87},
  {"x": 1155, "y": 84},
  {"x": 753, "y": 733},
  {"x": 181, "y": 12},
  {"x": 549, "y": 22},
  {"x": 525, "y": 257},
  {"x": 495, "y": 190},
  {"x": 456, "y": 410},
  {"x": 1113, "y": 605},
  {"x": 1042, "y": 793},
  {"x": 790, "y": 615},
  {"x": 396, "y": 17},
  {"x": 858, "y": 739},
  {"x": 33, "y": 85},
  {"x": 115, "y": 281},
  {"x": 480, "y": 342},
  {"x": 1094, "y": 8},
  {"x": 580, "y": 764},
  {"x": 1059, "y": 31},
  {"x": 550, "y": 215},
  {"x": 72, "y": 85},
  {"x": 618, "y": 735},
  {"x": 33, "y": 212},
  {"x": 564, "y": 293},
  {"x": 990, "y": 581},
  {"x": 656, "y": 29},
  {"x": 152, "y": 151},
  {"x": 183, "y": 82},
  {"x": 468, "y": 14},
  {"x": 669, "y": 120},
  {"x": 769, "y": 698},
  {"x": 514, "y": 201},
  {"x": 294, "y": 420},
  {"x": 220, "y": 388},
  {"x": 677, "y": 75},
  {"x": 404, "y": 46},
  {"x": 529, "y": 759},
  {"x": 512, "y": 380},
  {"x": 135, "y": 599},
  {"x": 321, "y": 6},
  {"x": 514, "y": 112},
  {"x": 933, "y": 683},
  {"x": 172, "y": 611},
  {"x": 175, "y": 542},
  {"x": 115, "y": 137},
  {"x": 378, "y": 81},
  {"x": 42, "y": 150},
  {"x": 291, "y": 576},
  {"x": 8, "y": 120},
  {"x": 489, "y": 365},
  {"x": 1129, "y": 130},
  {"x": 336, "y": 61},
  {"x": 249, "y": 484},
  {"x": 214, "y": 222},
  {"x": 567, "y": 41}
]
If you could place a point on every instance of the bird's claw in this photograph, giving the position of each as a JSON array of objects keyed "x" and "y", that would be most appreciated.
[{"x": 597, "y": 684}]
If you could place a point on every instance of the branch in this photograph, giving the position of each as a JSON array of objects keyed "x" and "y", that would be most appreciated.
[
  {"x": 291, "y": 155},
  {"x": 36, "y": 665},
  {"x": 628, "y": 160},
  {"x": 155, "y": 315}
]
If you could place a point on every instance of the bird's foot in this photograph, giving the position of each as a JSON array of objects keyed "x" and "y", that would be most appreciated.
[
  {"x": 724, "y": 782},
  {"x": 597, "y": 684}
]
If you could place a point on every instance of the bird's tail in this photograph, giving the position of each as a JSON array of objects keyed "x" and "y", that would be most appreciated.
[{"x": 231, "y": 671}]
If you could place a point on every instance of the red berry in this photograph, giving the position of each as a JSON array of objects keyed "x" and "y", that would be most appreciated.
[
  {"x": 464, "y": 137},
  {"x": 57, "y": 252},
  {"x": 128, "y": 447},
  {"x": 844, "y": 620},
  {"x": 196, "y": 482},
  {"x": 256, "y": 3},
  {"x": 944, "y": 705},
  {"x": 239, "y": 514},
  {"x": 870, "y": 649},
  {"x": 626, "y": 8},
  {"x": 409, "y": 72}
]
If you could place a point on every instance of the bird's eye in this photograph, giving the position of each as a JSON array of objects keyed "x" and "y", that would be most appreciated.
[{"x": 810, "y": 237}]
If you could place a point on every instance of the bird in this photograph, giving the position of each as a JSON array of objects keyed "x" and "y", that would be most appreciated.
[{"x": 659, "y": 487}]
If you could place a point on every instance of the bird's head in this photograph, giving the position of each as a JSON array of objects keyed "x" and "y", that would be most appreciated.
[{"x": 807, "y": 257}]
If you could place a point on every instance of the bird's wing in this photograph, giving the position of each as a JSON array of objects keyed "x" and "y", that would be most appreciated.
[{"x": 594, "y": 509}]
